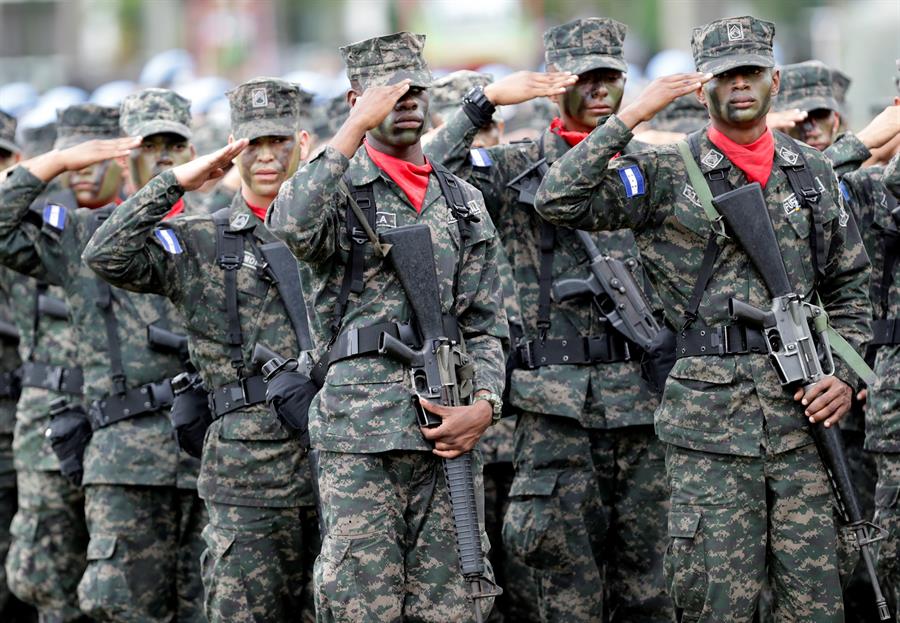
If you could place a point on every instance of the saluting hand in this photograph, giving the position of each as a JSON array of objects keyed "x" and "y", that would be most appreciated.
[
  {"x": 659, "y": 94},
  {"x": 192, "y": 175},
  {"x": 368, "y": 111},
  {"x": 460, "y": 429},
  {"x": 47, "y": 166},
  {"x": 827, "y": 400},
  {"x": 785, "y": 120},
  {"x": 882, "y": 128},
  {"x": 522, "y": 86}
]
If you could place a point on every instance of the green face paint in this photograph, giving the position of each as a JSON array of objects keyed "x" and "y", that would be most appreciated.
[
  {"x": 817, "y": 130},
  {"x": 157, "y": 153},
  {"x": 591, "y": 100},
  {"x": 267, "y": 162},
  {"x": 405, "y": 124},
  {"x": 96, "y": 185},
  {"x": 740, "y": 96}
]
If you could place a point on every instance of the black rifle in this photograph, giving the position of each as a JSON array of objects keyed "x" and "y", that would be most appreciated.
[
  {"x": 8, "y": 333},
  {"x": 434, "y": 370},
  {"x": 53, "y": 307},
  {"x": 797, "y": 341}
]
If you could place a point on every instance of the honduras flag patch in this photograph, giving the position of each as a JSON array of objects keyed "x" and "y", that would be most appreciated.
[
  {"x": 844, "y": 191},
  {"x": 479, "y": 157},
  {"x": 168, "y": 240},
  {"x": 633, "y": 180},
  {"x": 55, "y": 216}
]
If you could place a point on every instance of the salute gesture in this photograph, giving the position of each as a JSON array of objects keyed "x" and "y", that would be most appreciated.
[
  {"x": 192, "y": 175},
  {"x": 47, "y": 166},
  {"x": 659, "y": 94}
]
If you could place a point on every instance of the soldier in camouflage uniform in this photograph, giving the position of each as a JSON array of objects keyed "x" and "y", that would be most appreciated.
[
  {"x": 261, "y": 538},
  {"x": 750, "y": 498},
  {"x": 10, "y": 152},
  {"x": 38, "y": 140},
  {"x": 142, "y": 511},
  {"x": 685, "y": 115},
  {"x": 388, "y": 552},
  {"x": 447, "y": 95},
  {"x": 589, "y": 499}
]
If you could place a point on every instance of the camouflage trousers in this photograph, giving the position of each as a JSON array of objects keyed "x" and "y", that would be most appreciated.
[
  {"x": 49, "y": 540},
  {"x": 887, "y": 515},
  {"x": 143, "y": 554},
  {"x": 257, "y": 565},
  {"x": 389, "y": 551},
  {"x": 736, "y": 521},
  {"x": 588, "y": 514}
]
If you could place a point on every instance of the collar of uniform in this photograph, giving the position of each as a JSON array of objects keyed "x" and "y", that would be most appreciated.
[
  {"x": 363, "y": 170},
  {"x": 240, "y": 217},
  {"x": 787, "y": 151},
  {"x": 555, "y": 146}
]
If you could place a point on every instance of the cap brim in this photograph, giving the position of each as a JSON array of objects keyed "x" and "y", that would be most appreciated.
[
  {"x": 9, "y": 146},
  {"x": 284, "y": 126},
  {"x": 811, "y": 103},
  {"x": 589, "y": 62},
  {"x": 420, "y": 79},
  {"x": 733, "y": 61},
  {"x": 162, "y": 126}
]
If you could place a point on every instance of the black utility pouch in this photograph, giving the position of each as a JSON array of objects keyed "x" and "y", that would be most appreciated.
[
  {"x": 658, "y": 360},
  {"x": 190, "y": 413},
  {"x": 69, "y": 433},
  {"x": 289, "y": 394}
]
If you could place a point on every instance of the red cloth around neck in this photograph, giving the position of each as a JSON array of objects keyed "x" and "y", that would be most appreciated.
[
  {"x": 571, "y": 137},
  {"x": 258, "y": 211},
  {"x": 177, "y": 209},
  {"x": 411, "y": 178},
  {"x": 754, "y": 159}
]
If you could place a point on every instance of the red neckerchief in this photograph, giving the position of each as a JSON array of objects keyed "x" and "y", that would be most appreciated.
[
  {"x": 412, "y": 179},
  {"x": 177, "y": 208},
  {"x": 754, "y": 159},
  {"x": 258, "y": 211},
  {"x": 572, "y": 138}
]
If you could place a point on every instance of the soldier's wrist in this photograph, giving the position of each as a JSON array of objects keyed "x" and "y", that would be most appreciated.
[
  {"x": 494, "y": 401},
  {"x": 478, "y": 107}
]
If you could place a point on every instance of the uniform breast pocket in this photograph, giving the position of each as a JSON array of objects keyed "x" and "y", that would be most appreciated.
[{"x": 798, "y": 243}]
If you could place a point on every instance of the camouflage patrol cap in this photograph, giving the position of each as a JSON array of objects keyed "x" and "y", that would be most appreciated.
[
  {"x": 82, "y": 122},
  {"x": 585, "y": 44},
  {"x": 686, "y": 114},
  {"x": 841, "y": 84},
  {"x": 733, "y": 42},
  {"x": 329, "y": 116},
  {"x": 267, "y": 107},
  {"x": 38, "y": 140},
  {"x": 155, "y": 111},
  {"x": 8, "y": 133},
  {"x": 388, "y": 60},
  {"x": 807, "y": 86},
  {"x": 447, "y": 93}
]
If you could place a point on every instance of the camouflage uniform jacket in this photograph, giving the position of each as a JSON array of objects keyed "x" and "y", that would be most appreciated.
[
  {"x": 733, "y": 404},
  {"x": 126, "y": 251},
  {"x": 867, "y": 197},
  {"x": 136, "y": 451},
  {"x": 45, "y": 340},
  {"x": 365, "y": 405},
  {"x": 847, "y": 153},
  {"x": 598, "y": 396},
  {"x": 9, "y": 362}
]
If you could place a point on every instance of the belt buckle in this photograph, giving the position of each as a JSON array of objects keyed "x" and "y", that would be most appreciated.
[
  {"x": 55, "y": 377},
  {"x": 352, "y": 343},
  {"x": 724, "y": 342},
  {"x": 526, "y": 353}
]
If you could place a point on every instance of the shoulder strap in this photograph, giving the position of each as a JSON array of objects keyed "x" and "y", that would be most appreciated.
[
  {"x": 40, "y": 288},
  {"x": 283, "y": 266},
  {"x": 104, "y": 303},
  {"x": 230, "y": 256},
  {"x": 890, "y": 240},
  {"x": 804, "y": 188}
]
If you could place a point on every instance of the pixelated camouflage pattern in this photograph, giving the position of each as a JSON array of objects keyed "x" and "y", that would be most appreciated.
[
  {"x": 249, "y": 458},
  {"x": 732, "y": 405},
  {"x": 841, "y": 83},
  {"x": 38, "y": 140},
  {"x": 685, "y": 115},
  {"x": 329, "y": 116},
  {"x": 7, "y": 510},
  {"x": 142, "y": 557},
  {"x": 388, "y": 555},
  {"x": 154, "y": 111},
  {"x": 887, "y": 516},
  {"x": 217, "y": 199},
  {"x": 598, "y": 396},
  {"x": 808, "y": 86},
  {"x": 733, "y": 42},
  {"x": 258, "y": 564},
  {"x": 588, "y": 510},
  {"x": 8, "y": 133},
  {"x": 49, "y": 543},
  {"x": 724, "y": 535},
  {"x": 892, "y": 176},
  {"x": 267, "y": 107},
  {"x": 82, "y": 122},
  {"x": 9, "y": 363},
  {"x": 446, "y": 93},
  {"x": 387, "y": 60},
  {"x": 210, "y": 134},
  {"x": 366, "y": 403},
  {"x": 847, "y": 153},
  {"x": 586, "y": 43},
  {"x": 531, "y": 117}
]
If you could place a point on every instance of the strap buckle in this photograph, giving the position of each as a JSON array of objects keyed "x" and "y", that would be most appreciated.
[
  {"x": 230, "y": 261},
  {"x": 526, "y": 355},
  {"x": 118, "y": 382}
]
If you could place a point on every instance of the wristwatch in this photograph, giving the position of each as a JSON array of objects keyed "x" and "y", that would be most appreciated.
[
  {"x": 478, "y": 108},
  {"x": 496, "y": 405}
]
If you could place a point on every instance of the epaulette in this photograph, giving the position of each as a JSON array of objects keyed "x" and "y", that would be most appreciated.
[
  {"x": 479, "y": 157},
  {"x": 169, "y": 241}
]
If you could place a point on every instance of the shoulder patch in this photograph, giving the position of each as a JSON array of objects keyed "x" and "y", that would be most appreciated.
[
  {"x": 789, "y": 156},
  {"x": 55, "y": 216},
  {"x": 633, "y": 180},
  {"x": 712, "y": 159},
  {"x": 168, "y": 240},
  {"x": 479, "y": 157}
]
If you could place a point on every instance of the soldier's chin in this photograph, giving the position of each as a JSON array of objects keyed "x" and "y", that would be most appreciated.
[{"x": 267, "y": 189}]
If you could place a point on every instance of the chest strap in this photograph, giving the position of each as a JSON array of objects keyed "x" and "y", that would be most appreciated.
[
  {"x": 609, "y": 347},
  {"x": 132, "y": 403},
  {"x": 53, "y": 378},
  {"x": 731, "y": 339},
  {"x": 230, "y": 257},
  {"x": 239, "y": 394}
]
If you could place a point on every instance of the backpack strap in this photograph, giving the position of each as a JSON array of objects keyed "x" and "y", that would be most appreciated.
[
  {"x": 804, "y": 188},
  {"x": 230, "y": 257},
  {"x": 104, "y": 302}
]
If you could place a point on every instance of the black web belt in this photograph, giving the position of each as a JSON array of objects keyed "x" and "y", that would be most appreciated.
[
  {"x": 133, "y": 403},
  {"x": 885, "y": 332},
  {"x": 9, "y": 384},
  {"x": 605, "y": 348},
  {"x": 732, "y": 339},
  {"x": 237, "y": 395},
  {"x": 54, "y": 378}
]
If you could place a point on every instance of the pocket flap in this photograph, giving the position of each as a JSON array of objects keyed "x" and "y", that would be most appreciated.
[
  {"x": 533, "y": 484},
  {"x": 886, "y": 496},
  {"x": 335, "y": 548},
  {"x": 683, "y": 524},
  {"x": 719, "y": 370},
  {"x": 101, "y": 547},
  {"x": 218, "y": 541},
  {"x": 24, "y": 527}
]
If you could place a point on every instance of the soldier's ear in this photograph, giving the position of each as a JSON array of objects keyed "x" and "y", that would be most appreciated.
[
  {"x": 352, "y": 96},
  {"x": 193, "y": 151},
  {"x": 776, "y": 81},
  {"x": 303, "y": 142}
]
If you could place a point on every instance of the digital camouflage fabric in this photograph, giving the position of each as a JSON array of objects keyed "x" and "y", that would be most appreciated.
[
  {"x": 38, "y": 140},
  {"x": 387, "y": 60},
  {"x": 733, "y": 42},
  {"x": 446, "y": 93},
  {"x": 155, "y": 111},
  {"x": 807, "y": 86},
  {"x": 8, "y": 133},
  {"x": 267, "y": 107},
  {"x": 82, "y": 122},
  {"x": 585, "y": 44},
  {"x": 685, "y": 115}
]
